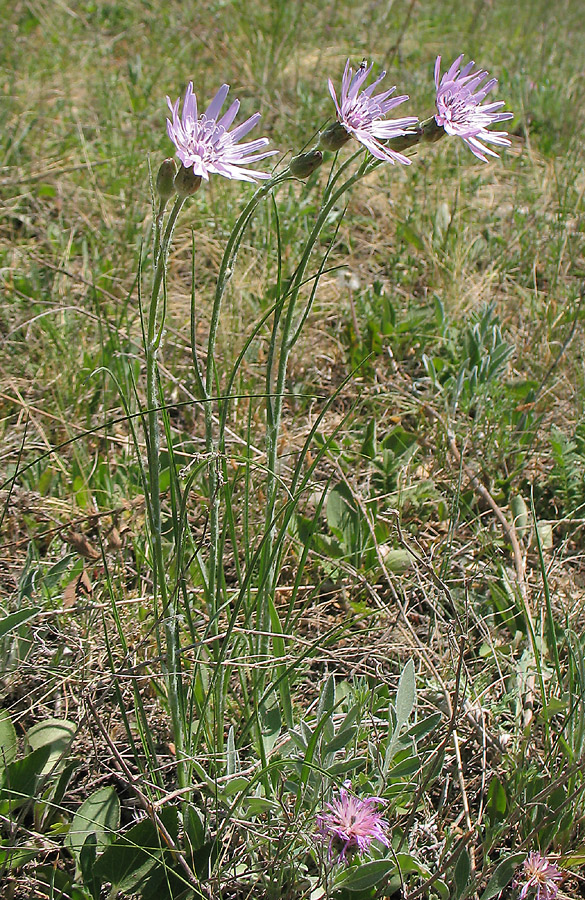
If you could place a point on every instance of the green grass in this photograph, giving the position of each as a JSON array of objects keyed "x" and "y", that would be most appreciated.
[{"x": 400, "y": 603}]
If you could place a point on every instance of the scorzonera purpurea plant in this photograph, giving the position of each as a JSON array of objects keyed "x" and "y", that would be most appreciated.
[{"x": 293, "y": 767}]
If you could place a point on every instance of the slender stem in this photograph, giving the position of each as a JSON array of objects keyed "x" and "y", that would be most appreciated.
[
  {"x": 206, "y": 386},
  {"x": 224, "y": 275},
  {"x": 225, "y": 269},
  {"x": 332, "y": 196},
  {"x": 290, "y": 336},
  {"x": 172, "y": 663}
]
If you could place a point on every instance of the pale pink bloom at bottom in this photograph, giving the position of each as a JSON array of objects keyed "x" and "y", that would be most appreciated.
[
  {"x": 351, "y": 824},
  {"x": 539, "y": 878}
]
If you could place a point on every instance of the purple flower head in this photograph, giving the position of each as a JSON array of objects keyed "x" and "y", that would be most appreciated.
[
  {"x": 459, "y": 109},
  {"x": 361, "y": 113},
  {"x": 539, "y": 879},
  {"x": 351, "y": 824},
  {"x": 204, "y": 143}
]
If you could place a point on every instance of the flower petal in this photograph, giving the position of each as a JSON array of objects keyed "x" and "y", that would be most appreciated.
[{"x": 216, "y": 104}]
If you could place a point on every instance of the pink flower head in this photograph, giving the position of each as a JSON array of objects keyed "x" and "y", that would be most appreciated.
[
  {"x": 459, "y": 109},
  {"x": 204, "y": 143},
  {"x": 540, "y": 878},
  {"x": 351, "y": 824},
  {"x": 361, "y": 113}
]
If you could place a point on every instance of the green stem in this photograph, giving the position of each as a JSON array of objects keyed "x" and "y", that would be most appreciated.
[
  {"x": 172, "y": 663},
  {"x": 425, "y": 131},
  {"x": 332, "y": 196},
  {"x": 224, "y": 275}
]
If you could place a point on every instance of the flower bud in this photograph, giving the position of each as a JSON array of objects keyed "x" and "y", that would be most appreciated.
[
  {"x": 397, "y": 561},
  {"x": 186, "y": 182},
  {"x": 431, "y": 130},
  {"x": 164, "y": 180},
  {"x": 334, "y": 137},
  {"x": 305, "y": 164}
]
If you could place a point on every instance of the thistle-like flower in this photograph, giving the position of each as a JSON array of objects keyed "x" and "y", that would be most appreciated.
[
  {"x": 360, "y": 114},
  {"x": 351, "y": 824},
  {"x": 540, "y": 878},
  {"x": 459, "y": 109},
  {"x": 204, "y": 143}
]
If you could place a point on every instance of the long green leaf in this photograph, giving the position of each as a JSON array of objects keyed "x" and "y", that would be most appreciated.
[{"x": 13, "y": 620}]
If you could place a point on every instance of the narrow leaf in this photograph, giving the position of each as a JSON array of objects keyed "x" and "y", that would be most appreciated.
[
  {"x": 461, "y": 873},
  {"x": 405, "y": 695},
  {"x": 8, "y": 740},
  {"x": 502, "y": 876},
  {"x": 13, "y": 620}
]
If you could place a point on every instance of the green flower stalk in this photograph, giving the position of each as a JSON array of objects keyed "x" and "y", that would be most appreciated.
[{"x": 204, "y": 145}]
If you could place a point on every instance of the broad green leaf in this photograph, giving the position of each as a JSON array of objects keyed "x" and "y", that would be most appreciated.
[
  {"x": 407, "y": 864},
  {"x": 56, "y": 734},
  {"x": 20, "y": 779},
  {"x": 502, "y": 876},
  {"x": 396, "y": 561},
  {"x": 341, "y": 739},
  {"x": 13, "y": 620},
  {"x": 194, "y": 826},
  {"x": 55, "y": 573},
  {"x": 55, "y": 796},
  {"x": 424, "y": 727},
  {"x": 259, "y": 805},
  {"x": 573, "y": 859},
  {"x": 234, "y": 786},
  {"x": 409, "y": 235},
  {"x": 342, "y": 513},
  {"x": 128, "y": 862},
  {"x": 366, "y": 875},
  {"x": 368, "y": 448},
  {"x": 168, "y": 882},
  {"x": 98, "y": 815},
  {"x": 8, "y": 740},
  {"x": 87, "y": 857},
  {"x": 298, "y": 740},
  {"x": 405, "y": 767},
  {"x": 347, "y": 765},
  {"x": 15, "y": 857},
  {"x": 270, "y": 724}
]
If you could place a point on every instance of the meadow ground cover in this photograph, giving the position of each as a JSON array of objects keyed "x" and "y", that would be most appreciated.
[{"x": 293, "y": 472}]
